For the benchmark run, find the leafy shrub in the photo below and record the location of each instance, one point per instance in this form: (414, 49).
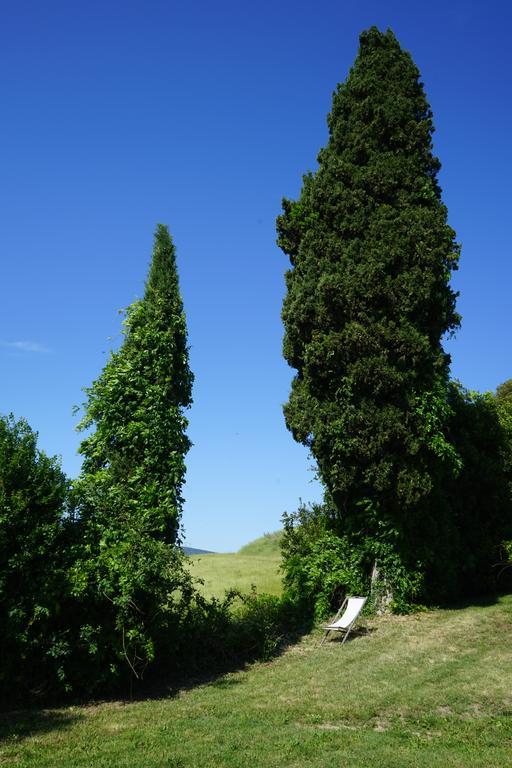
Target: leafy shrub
(320, 566)
(477, 502)
(466, 517)
(262, 622)
(128, 603)
(33, 552)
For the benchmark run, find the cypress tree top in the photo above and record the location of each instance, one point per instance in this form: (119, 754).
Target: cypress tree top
(504, 391)
(163, 277)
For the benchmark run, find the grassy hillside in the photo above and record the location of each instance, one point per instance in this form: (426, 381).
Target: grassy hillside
(267, 545)
(429, 690)
(257, 563)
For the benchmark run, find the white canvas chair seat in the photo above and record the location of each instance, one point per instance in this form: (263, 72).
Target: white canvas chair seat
(351, 608)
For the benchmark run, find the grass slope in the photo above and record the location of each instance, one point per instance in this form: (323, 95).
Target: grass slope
(432, 689)
(268, 545)
(257, 563)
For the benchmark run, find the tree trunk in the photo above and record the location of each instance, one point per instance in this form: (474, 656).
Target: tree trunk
(380, 591)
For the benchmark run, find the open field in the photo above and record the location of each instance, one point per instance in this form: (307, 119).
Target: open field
(432, 689)
(255, 564)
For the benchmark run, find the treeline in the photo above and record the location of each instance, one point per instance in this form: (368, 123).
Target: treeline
(93, 583)
(417, 470)
(458, 549)
(92, 609)
(91, 577)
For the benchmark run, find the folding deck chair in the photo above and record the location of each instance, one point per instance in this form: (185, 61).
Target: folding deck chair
(352, 607)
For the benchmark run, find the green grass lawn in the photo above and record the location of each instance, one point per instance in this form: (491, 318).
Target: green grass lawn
(255, 564)
(432, 689)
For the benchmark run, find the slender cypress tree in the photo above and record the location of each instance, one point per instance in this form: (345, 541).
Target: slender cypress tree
(368, 301)
(136, 407)
(129, 494)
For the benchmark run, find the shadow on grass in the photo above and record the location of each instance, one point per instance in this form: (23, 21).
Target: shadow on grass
(214, 641)
(267, 628)
(355, 634)
(21, 724)
(481, 601)
(160, 683)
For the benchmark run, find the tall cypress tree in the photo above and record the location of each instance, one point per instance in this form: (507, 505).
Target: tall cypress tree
(136, 407)
(129, 494)
(368, 302)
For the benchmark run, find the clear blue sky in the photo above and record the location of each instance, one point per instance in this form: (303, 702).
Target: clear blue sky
(117, 115)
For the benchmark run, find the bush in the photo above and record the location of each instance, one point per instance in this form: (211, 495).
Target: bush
(478, 502)
(322, 565)
(467, 517)
(34, 537)
(129, 600)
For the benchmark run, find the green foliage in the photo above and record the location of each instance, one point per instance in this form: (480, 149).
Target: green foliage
(467, 525)
(134, 458)
(507, 553)
(33, 542)
(129, 574)
(321, 566)
(504, 410)
(368, 302)
(474, 509)
(504, 392)
(240, 627)
(261, 624)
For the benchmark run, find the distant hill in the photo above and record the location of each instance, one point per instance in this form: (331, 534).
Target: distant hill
(268, 544)
(194, 551)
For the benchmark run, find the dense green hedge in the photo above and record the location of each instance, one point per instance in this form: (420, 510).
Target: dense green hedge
(462, 549)
(34, 552)
(63, 622)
